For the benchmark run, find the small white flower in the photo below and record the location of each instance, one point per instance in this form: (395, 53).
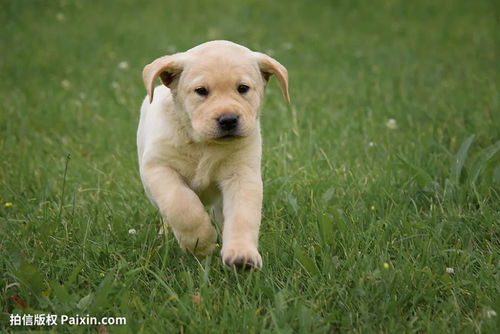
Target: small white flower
(123, 65)
(391, 124)
(371, 144)
(65, 84)
(60, 17)
(450, 270)
(490, 313)
(132, 231)
(115, 85)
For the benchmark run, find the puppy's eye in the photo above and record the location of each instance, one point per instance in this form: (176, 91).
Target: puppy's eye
(242, 89)
(202, 91)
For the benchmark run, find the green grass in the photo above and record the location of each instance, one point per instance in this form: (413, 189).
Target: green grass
(360, 221)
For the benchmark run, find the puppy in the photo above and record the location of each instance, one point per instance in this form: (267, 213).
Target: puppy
(199, 145)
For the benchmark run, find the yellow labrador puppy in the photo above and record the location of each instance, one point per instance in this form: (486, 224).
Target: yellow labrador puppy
(199, 145)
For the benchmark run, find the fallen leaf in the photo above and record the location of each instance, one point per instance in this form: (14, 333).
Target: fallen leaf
(197, 299)
(19, 301)
(101, 329)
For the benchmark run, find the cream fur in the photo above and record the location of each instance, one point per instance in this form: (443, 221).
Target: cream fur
(185, 165)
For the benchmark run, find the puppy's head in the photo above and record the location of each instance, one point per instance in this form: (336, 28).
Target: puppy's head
(219, 85)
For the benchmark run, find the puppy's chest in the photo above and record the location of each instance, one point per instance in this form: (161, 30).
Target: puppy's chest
(200, 168)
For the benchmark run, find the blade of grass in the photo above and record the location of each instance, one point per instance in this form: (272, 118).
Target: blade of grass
(460, 157)
(483, 159)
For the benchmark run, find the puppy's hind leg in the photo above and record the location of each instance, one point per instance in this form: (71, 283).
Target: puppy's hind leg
(163, 227)
(217, 214)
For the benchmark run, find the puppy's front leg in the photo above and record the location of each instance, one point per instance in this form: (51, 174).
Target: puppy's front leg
(181, 208)
(242, 204)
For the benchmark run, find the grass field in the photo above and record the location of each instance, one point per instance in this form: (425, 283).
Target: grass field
(382, 178)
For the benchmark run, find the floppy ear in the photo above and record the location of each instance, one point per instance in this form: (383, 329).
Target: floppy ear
(269, 66)
(167, 68)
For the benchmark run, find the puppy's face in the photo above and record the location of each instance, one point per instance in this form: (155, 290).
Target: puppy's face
(219, 85)
(221, 95)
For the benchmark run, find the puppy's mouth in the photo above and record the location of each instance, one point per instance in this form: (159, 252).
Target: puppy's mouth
(225, 137)
(228, 137)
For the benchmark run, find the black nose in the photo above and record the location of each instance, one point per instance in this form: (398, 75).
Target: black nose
(228, 122)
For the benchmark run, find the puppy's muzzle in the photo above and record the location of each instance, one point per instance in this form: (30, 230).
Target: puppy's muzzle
(228, 125)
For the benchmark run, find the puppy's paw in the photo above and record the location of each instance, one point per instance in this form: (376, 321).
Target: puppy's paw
(200, 241)
(241, 256)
